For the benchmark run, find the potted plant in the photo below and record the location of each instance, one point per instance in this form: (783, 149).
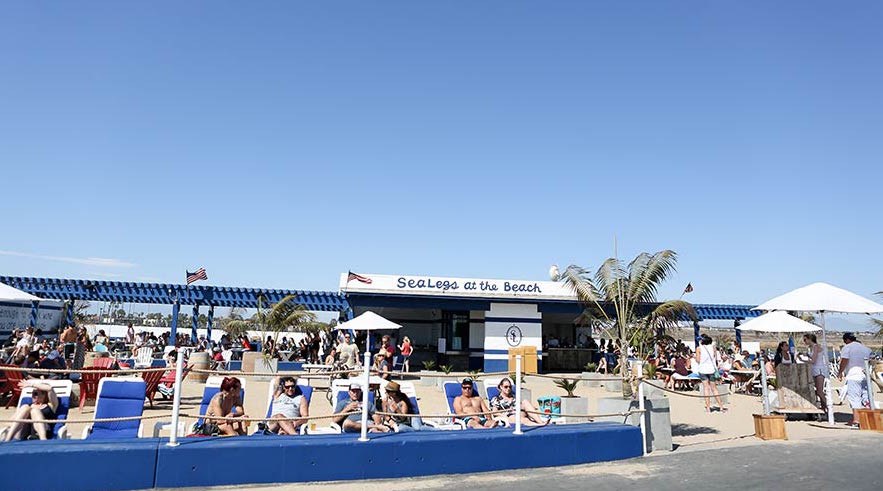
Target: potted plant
(429, 368)
(591, 376)
(571, 403)
(650, 391)
(440, 381)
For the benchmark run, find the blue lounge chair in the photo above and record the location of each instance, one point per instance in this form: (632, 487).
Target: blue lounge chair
(118, 397)
(212, 387)
(305, 389)
(62, 390)
(454, 390)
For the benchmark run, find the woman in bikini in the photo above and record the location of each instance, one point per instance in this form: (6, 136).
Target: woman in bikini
(225, 407)
(43, 406)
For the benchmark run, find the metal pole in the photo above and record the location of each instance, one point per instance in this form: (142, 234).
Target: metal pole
(176, 397)
(365, 388)
(641, 406)
(208, 325)
(35, 306)
(517, 383)
(763, 390)
(176, 307)
(830, 401)
(194, 321)
(869, 380)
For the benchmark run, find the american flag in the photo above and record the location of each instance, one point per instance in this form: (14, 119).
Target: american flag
(353, 276)
(197, 275)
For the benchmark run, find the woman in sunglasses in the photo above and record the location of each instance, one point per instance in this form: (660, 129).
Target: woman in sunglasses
(44, 403)
(288, 402)
(505, 401)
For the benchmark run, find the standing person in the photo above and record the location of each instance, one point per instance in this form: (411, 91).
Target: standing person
(130, 334)
(348, 354)
(68, 338)
(783, 354)
(708, 374)
(852, 366)
(406, 350)
(820, 371)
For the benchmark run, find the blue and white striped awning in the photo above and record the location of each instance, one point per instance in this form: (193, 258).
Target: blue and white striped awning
(725, 312)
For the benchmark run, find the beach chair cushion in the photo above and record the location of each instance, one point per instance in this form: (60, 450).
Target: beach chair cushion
(118, 398)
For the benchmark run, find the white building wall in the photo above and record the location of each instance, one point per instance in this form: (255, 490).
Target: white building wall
(498, 320)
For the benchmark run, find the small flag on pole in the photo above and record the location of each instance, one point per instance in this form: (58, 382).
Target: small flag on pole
(689, 288)
(353, 276)
(197, 275)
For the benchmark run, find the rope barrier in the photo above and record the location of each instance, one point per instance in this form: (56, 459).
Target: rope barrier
(558, 377)
(93, 420)
(589, 416)
(116, 371)
(722, 394)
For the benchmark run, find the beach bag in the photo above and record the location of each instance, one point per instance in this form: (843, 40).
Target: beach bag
(550, 405)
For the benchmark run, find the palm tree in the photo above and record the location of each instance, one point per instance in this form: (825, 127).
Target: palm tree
(286, 315)
(631, 289)
(878, 322)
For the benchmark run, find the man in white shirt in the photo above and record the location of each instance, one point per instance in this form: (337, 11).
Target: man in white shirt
(852, 365)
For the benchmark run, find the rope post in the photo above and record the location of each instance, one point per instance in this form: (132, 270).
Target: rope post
(365, 389)
(517, 383)
(829, 399)
(869, 380)
(176, 397)
(641, 406)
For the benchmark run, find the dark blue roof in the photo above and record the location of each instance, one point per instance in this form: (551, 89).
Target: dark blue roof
(724, 312)
(163, 293)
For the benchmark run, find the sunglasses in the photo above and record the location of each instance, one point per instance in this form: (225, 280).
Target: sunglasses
(37, 392)
(506, 386)
(466, 387)
(290, 387)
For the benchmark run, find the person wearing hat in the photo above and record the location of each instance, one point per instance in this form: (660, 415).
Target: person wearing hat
(468, 405)
(852, 366)
(397, 402)
(352, 423)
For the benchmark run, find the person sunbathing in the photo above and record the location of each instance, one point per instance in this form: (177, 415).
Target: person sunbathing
(288, 403)
(43, 406)
(226, 407)
(352, 423)
(505, 401)
(468, 405)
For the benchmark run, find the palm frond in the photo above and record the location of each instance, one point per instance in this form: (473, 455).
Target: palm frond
(648, 272)
(610, 278)
(879, 324)
(580, 282)
(667, 314)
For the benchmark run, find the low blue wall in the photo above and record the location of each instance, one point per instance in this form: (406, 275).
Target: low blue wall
(146, 463)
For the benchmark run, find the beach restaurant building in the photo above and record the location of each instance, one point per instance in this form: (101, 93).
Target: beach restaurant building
(473, 322)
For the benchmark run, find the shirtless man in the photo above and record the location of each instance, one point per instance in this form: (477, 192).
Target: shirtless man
(468, 404)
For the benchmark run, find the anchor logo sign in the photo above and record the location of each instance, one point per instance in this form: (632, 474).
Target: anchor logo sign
(513, 335)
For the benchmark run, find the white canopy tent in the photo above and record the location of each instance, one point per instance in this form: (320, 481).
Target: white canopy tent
(10, 294)
(822, 298)
(779, 321)
(367, 321)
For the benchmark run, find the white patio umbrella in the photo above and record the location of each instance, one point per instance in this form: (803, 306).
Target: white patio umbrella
(822, 298)
(367, 321)
(778, 321)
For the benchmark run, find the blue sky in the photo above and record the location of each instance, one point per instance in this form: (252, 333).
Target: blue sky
(278, 144)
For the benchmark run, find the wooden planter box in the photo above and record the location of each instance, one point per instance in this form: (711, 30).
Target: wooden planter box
(770, 427)
(870, 419)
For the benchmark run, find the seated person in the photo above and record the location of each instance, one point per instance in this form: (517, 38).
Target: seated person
(505, 401)
(352, 423)
(468, 404)
(381, 366)
(397, 402)
(44, 404)
(53, 361)
(288, 402)
(166, 385)
(331, 359)
(225, 407)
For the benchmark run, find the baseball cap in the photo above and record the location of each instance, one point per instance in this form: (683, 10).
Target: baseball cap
(355, 386)
(467, 380)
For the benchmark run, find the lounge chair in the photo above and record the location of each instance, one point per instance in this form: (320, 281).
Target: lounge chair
(454, 390)
(105, 362)
(408, 389)
(118, 397)
(305, 389)
(13, 377)
(63, 389)
(167, 391)
(212, 387)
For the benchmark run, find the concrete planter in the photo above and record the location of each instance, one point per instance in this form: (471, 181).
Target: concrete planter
(428, 381)
(613, 385)
(593, 379)
(574, 405)
(657, 421)
(618, 405)
(651, 392)
(270, 367)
